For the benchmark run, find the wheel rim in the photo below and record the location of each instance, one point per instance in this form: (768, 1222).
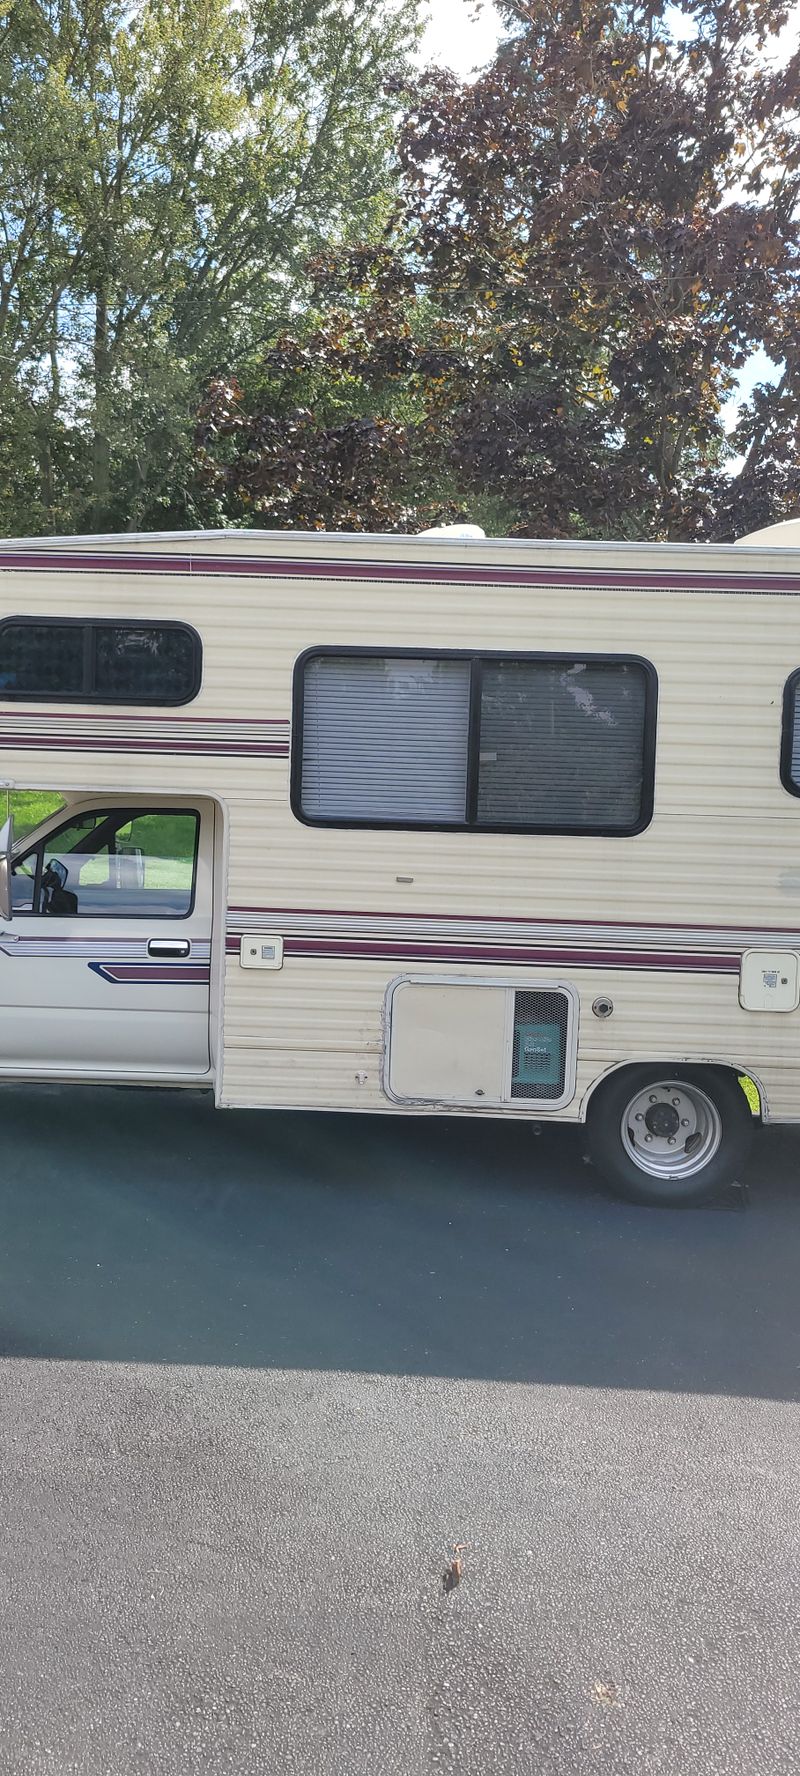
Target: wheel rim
(671, 1129)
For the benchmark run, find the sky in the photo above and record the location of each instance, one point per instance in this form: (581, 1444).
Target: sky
(455, 38)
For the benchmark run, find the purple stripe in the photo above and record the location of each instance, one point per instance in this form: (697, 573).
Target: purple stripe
(265, 914)
(422, 951)
(136, 974)
(199, 748)
(72, 942)
(422, 572)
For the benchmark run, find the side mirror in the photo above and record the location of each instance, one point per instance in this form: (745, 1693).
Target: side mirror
(55, 873)
(6, 842)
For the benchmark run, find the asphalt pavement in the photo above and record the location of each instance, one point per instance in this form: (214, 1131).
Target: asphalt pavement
(262, 1374)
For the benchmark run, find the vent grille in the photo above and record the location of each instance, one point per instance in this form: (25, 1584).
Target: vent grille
(539, 1057)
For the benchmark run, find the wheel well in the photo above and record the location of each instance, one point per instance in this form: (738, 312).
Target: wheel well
(751, 1085)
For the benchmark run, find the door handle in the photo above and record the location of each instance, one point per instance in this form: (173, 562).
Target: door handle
(168, 946)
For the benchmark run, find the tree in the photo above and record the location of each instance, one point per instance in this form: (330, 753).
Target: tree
(594, 239)
(166, 170)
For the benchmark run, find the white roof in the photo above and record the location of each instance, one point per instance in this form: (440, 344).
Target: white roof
(560, 552)
(453, 530)
(774, 536)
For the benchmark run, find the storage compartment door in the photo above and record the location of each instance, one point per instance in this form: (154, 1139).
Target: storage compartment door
(448, 1043)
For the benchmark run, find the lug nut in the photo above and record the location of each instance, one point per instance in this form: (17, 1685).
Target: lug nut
(684, 1122)
(653, 1097)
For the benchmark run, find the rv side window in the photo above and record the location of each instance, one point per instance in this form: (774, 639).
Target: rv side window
(95, 662)
(790, 747)
(540, 743)
(112, 863)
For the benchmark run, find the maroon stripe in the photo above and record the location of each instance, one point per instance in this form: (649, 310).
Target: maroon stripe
(121, 973)
(422, 572)
(198, 748)
(56, 938)
(264, 914)
(379, 950)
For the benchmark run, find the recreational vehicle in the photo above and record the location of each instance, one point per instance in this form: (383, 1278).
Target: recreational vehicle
(412, 825)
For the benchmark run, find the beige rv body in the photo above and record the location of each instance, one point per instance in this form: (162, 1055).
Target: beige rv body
(652, 926)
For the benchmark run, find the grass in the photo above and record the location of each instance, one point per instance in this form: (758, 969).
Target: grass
(170, 837)
(28, 807)
(167, 843)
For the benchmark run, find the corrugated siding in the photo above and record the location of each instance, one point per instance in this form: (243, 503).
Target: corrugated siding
(723, 848)
(322, 1026)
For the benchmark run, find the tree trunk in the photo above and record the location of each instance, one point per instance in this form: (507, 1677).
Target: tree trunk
(49, 422)
(101, 456)
(47, 479)
(136, 490)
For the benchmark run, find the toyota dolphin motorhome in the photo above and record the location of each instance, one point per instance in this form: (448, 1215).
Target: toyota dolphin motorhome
(411, 825)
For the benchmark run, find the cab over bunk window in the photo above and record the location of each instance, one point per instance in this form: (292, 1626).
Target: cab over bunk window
(543, 743)
(87, 661)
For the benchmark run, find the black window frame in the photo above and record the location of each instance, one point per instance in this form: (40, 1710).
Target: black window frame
(476, 656)
(118, 813)
(91, 625)
(789, 709)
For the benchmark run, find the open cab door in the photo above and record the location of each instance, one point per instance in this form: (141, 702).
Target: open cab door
(6, 843)
(105, 961)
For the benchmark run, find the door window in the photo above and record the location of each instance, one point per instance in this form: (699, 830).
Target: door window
(23, 879)
(113, 863)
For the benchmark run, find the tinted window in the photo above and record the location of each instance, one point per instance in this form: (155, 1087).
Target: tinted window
(130, 663)
(96, 662)
(562, 743)
(41, 659)
(540, 744)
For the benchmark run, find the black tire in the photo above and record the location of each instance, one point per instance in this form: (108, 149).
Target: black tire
(728, 1122)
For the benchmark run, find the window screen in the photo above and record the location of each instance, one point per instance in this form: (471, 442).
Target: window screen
(562, 743)
(97, 662)
(539, 744)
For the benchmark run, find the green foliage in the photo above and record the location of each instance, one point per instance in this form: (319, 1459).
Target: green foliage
(166, 170)
(593, 240)
(232, 291)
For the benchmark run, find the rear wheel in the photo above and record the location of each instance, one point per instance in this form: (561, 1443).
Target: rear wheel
(669, 1138)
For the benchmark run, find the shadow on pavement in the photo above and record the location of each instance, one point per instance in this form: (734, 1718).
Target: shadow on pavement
(148, 1227)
